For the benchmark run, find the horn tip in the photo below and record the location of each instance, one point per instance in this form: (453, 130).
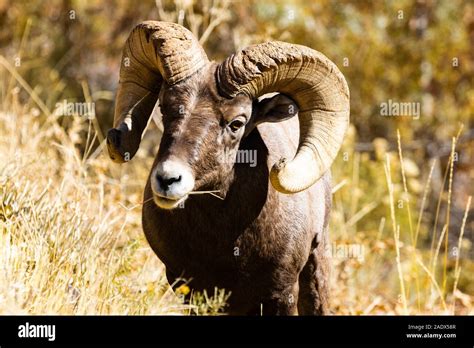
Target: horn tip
(284, 180)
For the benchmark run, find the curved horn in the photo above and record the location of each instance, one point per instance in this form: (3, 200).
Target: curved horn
(318, 88)
(154, 51)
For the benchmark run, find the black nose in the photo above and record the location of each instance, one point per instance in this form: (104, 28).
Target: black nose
(165, 182)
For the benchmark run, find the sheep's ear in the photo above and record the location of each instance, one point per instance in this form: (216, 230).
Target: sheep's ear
(275, 109)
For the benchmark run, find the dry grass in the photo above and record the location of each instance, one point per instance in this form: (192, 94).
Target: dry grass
(398, 274)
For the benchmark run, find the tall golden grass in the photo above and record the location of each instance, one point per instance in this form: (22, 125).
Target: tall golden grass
(398, 275)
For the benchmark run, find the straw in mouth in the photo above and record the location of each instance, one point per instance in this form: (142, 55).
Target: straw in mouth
(212, 193)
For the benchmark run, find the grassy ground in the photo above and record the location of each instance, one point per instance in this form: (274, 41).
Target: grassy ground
(71, 239)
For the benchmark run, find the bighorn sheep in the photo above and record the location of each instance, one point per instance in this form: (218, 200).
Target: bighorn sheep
(262, 242)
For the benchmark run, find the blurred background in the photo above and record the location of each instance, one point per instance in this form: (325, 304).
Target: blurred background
(402, 182)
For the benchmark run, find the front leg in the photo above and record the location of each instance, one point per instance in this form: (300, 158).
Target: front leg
(314, 285)
(279, 302)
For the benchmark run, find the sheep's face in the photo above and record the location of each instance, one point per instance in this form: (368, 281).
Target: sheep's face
(201, 137)
(201, 131)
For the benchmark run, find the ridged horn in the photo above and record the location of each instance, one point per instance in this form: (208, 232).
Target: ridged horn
(318, 88)
(154, 51)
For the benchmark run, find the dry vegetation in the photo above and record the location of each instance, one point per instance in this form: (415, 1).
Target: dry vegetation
(399, 273)
(70, 220)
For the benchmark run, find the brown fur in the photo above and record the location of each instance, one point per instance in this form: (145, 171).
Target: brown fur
(266, 247)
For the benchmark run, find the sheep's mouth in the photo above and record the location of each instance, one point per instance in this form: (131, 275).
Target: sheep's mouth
(169, 203)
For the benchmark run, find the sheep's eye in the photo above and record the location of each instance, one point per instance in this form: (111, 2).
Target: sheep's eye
(236, 125)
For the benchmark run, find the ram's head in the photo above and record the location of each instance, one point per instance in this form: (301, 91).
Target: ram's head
(208, 108)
